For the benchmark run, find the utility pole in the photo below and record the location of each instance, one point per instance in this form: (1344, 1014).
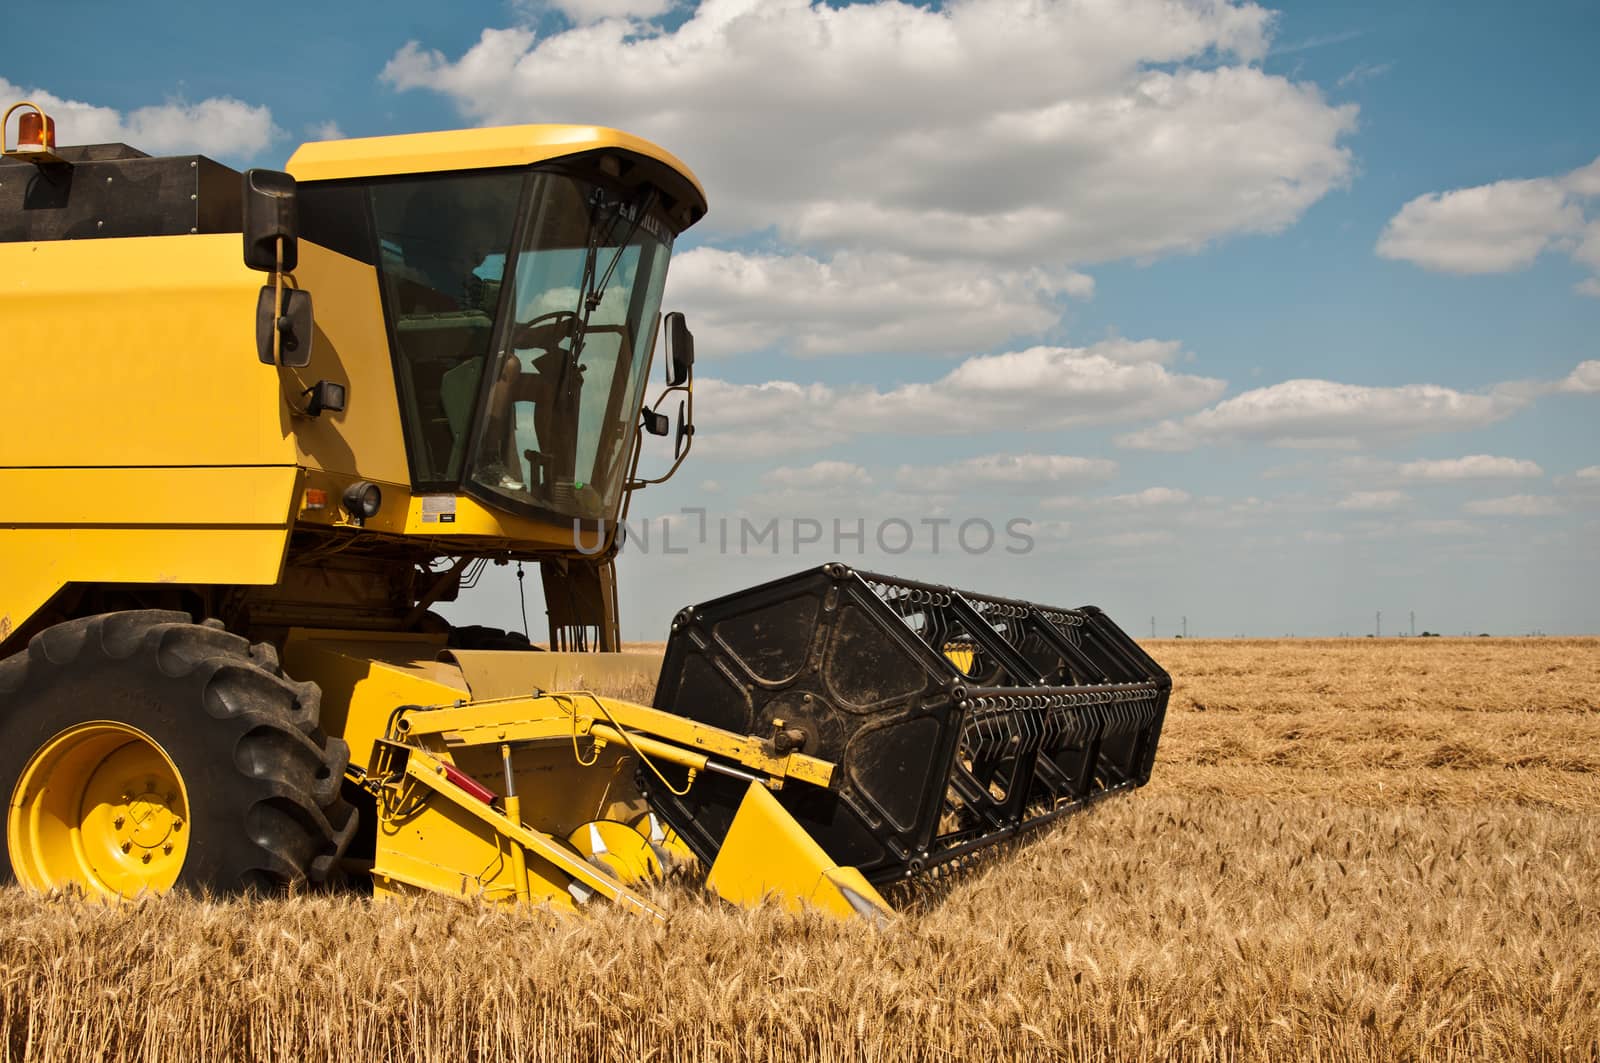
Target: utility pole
(1413, 623)
(1185, 627)
(1152, 627)
(1379, 622)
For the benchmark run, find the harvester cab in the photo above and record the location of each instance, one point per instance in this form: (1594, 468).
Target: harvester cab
(231, 507)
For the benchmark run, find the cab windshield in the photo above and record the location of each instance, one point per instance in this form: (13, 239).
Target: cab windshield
(520, 361)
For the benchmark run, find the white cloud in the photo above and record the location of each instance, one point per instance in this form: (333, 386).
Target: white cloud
(1584, 484)
(1322, 413)
(1134, 352)
(1150, 496)
(218, 125)
(1585, 180)
(583, 12)
(1499, 227)
(1588, 286)
(1585, 379)
(1588, 249)
(865, 302)
(1136, 539)
(328, 130)
(1471, 467)
(1373, 501)
(1039, 389)
(823, 474)
(1515, 506)
(1017, 472)
(1020, 129)
(1363, 71)
(1443, 527)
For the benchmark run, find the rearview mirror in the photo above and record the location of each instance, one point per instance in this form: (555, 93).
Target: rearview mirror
(292, 322)
(680, 350)
(685, 433)
(270, 215)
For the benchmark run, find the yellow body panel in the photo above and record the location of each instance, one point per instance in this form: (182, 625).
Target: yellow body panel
(351, 347)
(767, 854)
(494, 674)
(466, 149)
(135, 352)
(364, 676)
(167, 525)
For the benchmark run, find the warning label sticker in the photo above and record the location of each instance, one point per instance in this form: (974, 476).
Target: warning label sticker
(438, 509)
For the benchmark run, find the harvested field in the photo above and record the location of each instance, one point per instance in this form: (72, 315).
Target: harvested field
(1350, 850)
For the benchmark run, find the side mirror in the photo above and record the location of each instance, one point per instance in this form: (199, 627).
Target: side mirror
(270, 215)
(685, 433)
(292, 322)
(680, 350)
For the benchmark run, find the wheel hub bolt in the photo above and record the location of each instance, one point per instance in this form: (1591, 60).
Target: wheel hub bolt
(118, 822)
(127, 847)
(167, 849)
(145, 857)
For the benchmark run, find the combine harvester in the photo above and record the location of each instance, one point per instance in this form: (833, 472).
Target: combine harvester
(226, 520)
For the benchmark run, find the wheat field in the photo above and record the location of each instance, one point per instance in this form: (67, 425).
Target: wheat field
(1350, 850)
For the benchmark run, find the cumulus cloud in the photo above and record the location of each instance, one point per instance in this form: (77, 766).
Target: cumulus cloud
(1585, 379)
(1471, 467)
(1373, 501)
(1322, 413)
(823, 474)
(1150, 496)
(1499, 227)
(1039, 389)
(1515, 506)
(1018, 129)
(218, 125)
(1014, 472)
(583, 12)
(1592, 472)
(865, 302)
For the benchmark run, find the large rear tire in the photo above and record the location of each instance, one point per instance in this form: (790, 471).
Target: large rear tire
(140, 751)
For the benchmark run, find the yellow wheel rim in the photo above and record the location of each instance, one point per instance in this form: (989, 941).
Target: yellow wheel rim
(103, 806)
(616, 849)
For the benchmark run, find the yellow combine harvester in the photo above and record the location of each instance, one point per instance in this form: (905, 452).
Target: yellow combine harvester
(225, 517)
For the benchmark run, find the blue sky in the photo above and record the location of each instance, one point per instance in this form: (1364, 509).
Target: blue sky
(1267, 317)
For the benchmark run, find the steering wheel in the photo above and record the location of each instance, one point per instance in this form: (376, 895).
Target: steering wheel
(528, 334)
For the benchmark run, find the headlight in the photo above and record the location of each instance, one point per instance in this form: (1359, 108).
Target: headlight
(362, 499)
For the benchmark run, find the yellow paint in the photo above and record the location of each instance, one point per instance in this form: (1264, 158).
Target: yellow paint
(101, 806)
(435, 836)
(497, 674)
(960, 655)
(617, 849)
(467, 149)
(766, 854)
(364, 676)
(350, 347)
(258, 496)
(141, 352)
(166, 525)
